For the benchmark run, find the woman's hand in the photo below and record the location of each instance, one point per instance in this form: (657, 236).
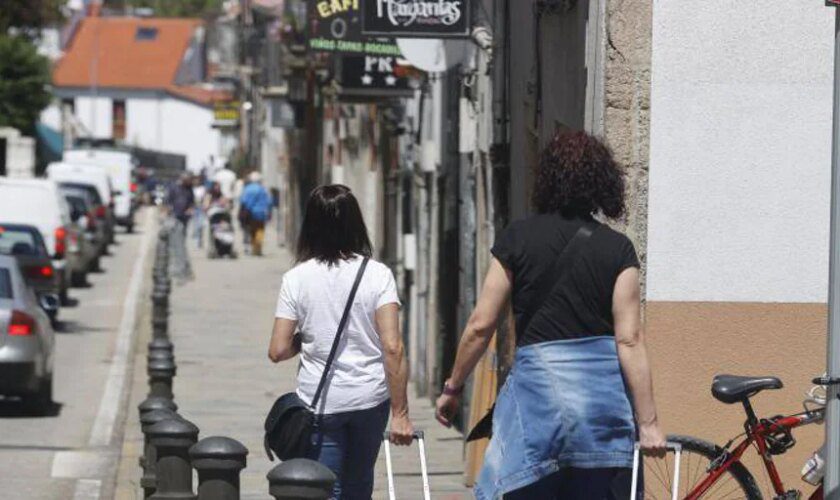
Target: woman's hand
(446, 408)
(652, 440)
(402, 431)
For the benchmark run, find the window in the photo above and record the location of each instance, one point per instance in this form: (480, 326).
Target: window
(5, 284)
(118, 119)
(145, 33)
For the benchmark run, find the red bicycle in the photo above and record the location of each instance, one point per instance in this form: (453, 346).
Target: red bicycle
(708, 471)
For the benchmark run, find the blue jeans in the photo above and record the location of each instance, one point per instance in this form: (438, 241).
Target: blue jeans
(348, 443)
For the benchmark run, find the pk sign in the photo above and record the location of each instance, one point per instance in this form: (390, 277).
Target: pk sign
(416, 18)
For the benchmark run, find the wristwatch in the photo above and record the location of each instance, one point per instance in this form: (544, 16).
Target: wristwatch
(452, 391)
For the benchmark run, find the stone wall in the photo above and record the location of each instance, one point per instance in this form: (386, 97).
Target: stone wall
(627, 106)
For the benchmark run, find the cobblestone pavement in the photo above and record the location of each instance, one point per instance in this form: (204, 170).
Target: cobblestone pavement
(220, 325)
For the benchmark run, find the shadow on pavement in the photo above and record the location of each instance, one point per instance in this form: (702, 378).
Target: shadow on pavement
(18, 408)
(76, 327)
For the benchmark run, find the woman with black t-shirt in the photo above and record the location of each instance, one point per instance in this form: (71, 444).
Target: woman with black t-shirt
(579, 393)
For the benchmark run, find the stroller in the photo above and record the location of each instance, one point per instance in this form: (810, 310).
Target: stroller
(221, 233)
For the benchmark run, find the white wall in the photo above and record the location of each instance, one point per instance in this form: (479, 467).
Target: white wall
(95, 114)
(174, 126)
(740, 151)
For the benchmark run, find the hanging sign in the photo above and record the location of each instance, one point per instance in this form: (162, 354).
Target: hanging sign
(374, 75)
(416, 18)
(335, 26)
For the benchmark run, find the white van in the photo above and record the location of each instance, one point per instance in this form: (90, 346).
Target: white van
(38, 202)
(120, 166)
(76, 175)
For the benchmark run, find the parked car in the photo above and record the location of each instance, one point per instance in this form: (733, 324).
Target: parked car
(119, 165)
(26, 245)
(26, 340)
(38, 203)
(81, 213)
(93, 179)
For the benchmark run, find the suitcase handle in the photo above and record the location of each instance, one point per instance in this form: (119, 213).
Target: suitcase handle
(415, 435)
(420, 438)
(669, 446)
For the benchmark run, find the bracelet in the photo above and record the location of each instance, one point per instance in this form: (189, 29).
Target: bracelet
(452, 391)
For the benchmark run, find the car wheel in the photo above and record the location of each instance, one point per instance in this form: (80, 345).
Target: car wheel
(129, 228)
(63, 296)
(95, 265)
(42, 401)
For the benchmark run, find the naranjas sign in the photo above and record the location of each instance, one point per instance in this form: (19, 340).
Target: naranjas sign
(416, 18)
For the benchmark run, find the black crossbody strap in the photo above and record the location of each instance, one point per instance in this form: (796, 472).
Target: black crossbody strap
(341, 325)
(552, 280)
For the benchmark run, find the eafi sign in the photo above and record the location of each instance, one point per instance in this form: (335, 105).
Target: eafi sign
(416, 18)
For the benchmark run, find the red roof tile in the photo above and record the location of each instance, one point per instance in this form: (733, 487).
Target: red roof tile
(106, 52)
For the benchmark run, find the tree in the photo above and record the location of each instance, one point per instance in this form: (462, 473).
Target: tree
(27, 17)
(24, 77)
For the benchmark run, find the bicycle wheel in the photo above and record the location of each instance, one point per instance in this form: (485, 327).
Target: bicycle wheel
(697, 454)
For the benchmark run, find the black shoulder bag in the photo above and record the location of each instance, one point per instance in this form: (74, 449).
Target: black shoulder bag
(290, 422)
(548, 285)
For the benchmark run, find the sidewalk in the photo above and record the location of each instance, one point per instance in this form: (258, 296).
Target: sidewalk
(220, 325)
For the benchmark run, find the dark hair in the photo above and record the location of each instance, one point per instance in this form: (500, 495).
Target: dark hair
(333, 227)
(577, 175)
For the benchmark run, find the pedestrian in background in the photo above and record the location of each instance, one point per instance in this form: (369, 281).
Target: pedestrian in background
(181, 200)
(199, 210)
(370, 372)
(564, 426)
(242, 216)
(226, 179)
(256, 201)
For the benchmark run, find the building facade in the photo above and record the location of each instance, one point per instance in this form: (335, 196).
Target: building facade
(140, 82)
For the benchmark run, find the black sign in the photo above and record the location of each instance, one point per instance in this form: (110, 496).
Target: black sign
(335, 26)
(374, 74)
(416, 18)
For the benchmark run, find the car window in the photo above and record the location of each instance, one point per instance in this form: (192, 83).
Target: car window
(90, 190)
(21, 241)
(5, 284)
(77, 204)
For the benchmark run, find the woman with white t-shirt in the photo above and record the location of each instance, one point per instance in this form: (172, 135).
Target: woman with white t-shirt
(370, 373)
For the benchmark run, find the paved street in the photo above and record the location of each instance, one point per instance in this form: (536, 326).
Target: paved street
(43, 457)
(220, 326)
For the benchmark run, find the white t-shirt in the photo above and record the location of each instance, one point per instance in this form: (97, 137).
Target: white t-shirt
(226, 179)
(314, 294)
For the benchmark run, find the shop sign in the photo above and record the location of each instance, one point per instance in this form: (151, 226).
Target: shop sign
(416, 18)
(335, 26)
(226, 112)
(373, 73)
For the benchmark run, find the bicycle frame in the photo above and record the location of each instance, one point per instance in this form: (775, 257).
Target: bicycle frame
(756, 433)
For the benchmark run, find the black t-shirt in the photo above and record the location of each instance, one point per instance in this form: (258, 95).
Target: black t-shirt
(581, 306)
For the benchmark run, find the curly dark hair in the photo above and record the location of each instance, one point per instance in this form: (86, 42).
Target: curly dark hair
(577, 175)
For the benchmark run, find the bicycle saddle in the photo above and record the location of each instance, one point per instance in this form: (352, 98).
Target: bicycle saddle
(733, 389)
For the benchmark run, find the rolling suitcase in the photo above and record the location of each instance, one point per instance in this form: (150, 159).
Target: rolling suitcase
(634, 485)
(418, 435)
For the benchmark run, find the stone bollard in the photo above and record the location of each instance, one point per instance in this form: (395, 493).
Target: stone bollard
(156, 403)
(160, 327)
(172, 439)
(300, 478)
(158, 355)
(218, 461)
(161, 372)
(160, 299)
(149, 458)
(160, 345)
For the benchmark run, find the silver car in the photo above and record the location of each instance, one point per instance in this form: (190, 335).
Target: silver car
(26, 340)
